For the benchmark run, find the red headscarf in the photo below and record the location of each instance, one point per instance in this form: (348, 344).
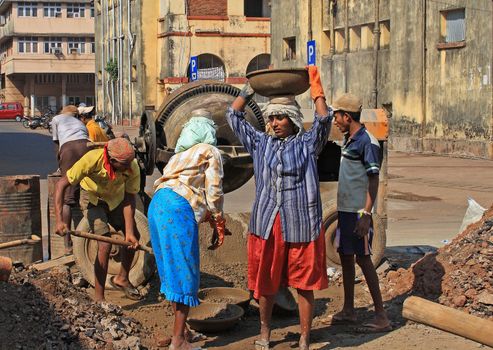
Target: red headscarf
(119, 149)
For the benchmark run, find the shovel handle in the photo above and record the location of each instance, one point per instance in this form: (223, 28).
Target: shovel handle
(108, 240)
(19, 242)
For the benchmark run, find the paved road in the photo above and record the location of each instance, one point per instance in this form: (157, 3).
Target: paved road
(427, 194)
(25, 151)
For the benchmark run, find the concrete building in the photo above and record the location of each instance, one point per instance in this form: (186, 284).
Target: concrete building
(427, 61)
(152, 54)
(47, 53)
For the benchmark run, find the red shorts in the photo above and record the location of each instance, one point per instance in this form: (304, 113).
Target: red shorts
(273, 263)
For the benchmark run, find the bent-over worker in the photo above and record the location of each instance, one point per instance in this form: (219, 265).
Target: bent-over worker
(70, 136)
(109, 178)
(189, 192)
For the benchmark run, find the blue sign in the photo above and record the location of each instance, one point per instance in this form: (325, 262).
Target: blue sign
(311, 52)
(194, 65)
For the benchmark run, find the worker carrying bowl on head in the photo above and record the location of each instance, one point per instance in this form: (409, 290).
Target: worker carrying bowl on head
(189, 192)
(109, 178)
(70, 137)
(96, 133)
(286, 246)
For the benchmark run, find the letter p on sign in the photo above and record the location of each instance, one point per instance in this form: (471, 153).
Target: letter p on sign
(311, 52)
(194, 63)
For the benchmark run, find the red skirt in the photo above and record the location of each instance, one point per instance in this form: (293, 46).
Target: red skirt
(273, 263)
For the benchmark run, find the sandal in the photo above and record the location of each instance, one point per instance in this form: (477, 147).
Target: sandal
(130, 291)
(261, 345)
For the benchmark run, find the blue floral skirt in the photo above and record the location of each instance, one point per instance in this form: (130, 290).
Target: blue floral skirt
(175, 241)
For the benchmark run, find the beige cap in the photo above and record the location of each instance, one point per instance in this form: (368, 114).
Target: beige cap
(347, 103)
(85, 110)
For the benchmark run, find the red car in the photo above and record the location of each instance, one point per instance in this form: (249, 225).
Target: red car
(11, 110)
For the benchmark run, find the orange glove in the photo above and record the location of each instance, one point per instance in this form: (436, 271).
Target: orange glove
(316, 88)
(220, 230)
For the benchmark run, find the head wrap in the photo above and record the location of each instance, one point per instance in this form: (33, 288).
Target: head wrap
(199, 129)
(119, 149)
(287, 106)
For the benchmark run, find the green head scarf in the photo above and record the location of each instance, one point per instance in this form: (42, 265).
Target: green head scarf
(199, 129)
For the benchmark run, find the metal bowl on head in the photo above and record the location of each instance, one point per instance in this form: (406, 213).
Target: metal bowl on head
(214, 317)
(227, 295)
(279, 82)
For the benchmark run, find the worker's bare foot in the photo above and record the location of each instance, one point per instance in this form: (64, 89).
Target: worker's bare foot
(304, 343)
(379, 324)
(341, 317)
(121, 282)
(180, 345)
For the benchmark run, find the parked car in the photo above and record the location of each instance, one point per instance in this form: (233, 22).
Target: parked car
(11, 110)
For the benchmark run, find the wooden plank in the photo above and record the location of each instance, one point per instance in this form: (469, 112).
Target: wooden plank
(448, 319)
(63, 260)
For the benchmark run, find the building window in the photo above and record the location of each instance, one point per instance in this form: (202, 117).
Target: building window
(259, 62)
(53, 45)
(28, 44)
(76, 45)
(73, 100)
(27, 9)
(90, 100)
(92, 9)
(45, 79)
(93, 45)
(210, 67)
(453, 26)
(2, 81)
(257, 8)
(52, 9)
(76, 10)
(289, 49)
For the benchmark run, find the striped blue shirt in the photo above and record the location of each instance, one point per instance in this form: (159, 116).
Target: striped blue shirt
(286, 178)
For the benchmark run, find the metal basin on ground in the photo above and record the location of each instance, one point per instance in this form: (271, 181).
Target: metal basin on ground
(227, 295)
(214, 317)
(284, 301)
(278, 82)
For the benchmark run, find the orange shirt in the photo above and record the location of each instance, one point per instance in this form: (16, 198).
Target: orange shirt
(96, 134)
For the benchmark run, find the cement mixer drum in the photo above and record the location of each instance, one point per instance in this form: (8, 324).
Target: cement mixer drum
(215, 97)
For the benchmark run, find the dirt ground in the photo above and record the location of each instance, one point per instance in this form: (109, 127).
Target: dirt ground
(38, 311)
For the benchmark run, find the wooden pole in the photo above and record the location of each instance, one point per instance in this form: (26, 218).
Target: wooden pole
(448, 319)
(108, 240)
(33, 240)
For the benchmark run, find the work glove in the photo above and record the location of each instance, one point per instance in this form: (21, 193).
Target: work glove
(247, 92)
(218, 224)
(316, 89)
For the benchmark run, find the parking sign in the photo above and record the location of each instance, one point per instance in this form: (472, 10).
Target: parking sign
(194, 63)
(311, 50)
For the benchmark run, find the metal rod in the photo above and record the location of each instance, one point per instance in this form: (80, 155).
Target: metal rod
(108, 240)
